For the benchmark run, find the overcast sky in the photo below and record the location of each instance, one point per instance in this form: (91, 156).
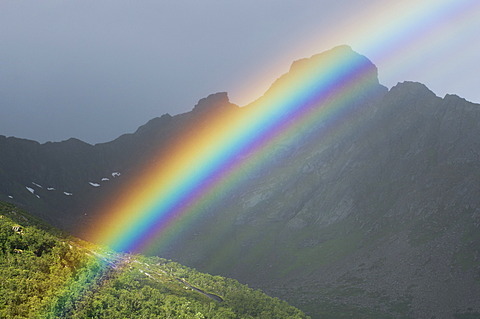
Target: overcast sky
(96, 69)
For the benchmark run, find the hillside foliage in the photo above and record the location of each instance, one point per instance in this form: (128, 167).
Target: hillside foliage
(46, 274)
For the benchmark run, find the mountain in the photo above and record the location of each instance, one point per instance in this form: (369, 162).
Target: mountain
(374, 214)
(62, 182)
(48, 274)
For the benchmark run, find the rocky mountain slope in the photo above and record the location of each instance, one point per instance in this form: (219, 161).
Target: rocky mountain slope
(62, 182)
(377, 218)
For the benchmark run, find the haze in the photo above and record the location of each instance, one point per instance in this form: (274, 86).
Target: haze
(97, 69)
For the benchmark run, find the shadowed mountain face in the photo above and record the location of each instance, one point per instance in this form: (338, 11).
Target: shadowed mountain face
(63, 182)
(378, 218)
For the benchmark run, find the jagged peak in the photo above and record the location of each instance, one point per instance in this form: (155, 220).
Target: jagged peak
(154, 123)
(69, 143)
(336, 60)
(413, 87)
(74, 140)
(14, 139)
(343, 53)
(454, 97)
(213, 101)
(341, 50)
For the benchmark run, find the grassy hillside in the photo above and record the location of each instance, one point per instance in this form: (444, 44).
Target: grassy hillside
(46, 274)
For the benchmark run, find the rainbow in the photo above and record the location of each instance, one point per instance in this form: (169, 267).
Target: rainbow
(206, 163)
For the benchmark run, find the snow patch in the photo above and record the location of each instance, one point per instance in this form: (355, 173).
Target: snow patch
(10, 196)
(40, 186)
(50, 189)
(94, 184)
(31, 190)
(68, 194)
(116, 174)
(37, 196)
(105, 179)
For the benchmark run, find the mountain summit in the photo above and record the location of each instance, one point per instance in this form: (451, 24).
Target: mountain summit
(372, 212)
(337, 62)
(213, 102)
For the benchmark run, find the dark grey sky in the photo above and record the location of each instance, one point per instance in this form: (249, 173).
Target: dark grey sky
(97, 69)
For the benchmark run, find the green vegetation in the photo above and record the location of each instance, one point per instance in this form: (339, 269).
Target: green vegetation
(46, 274)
